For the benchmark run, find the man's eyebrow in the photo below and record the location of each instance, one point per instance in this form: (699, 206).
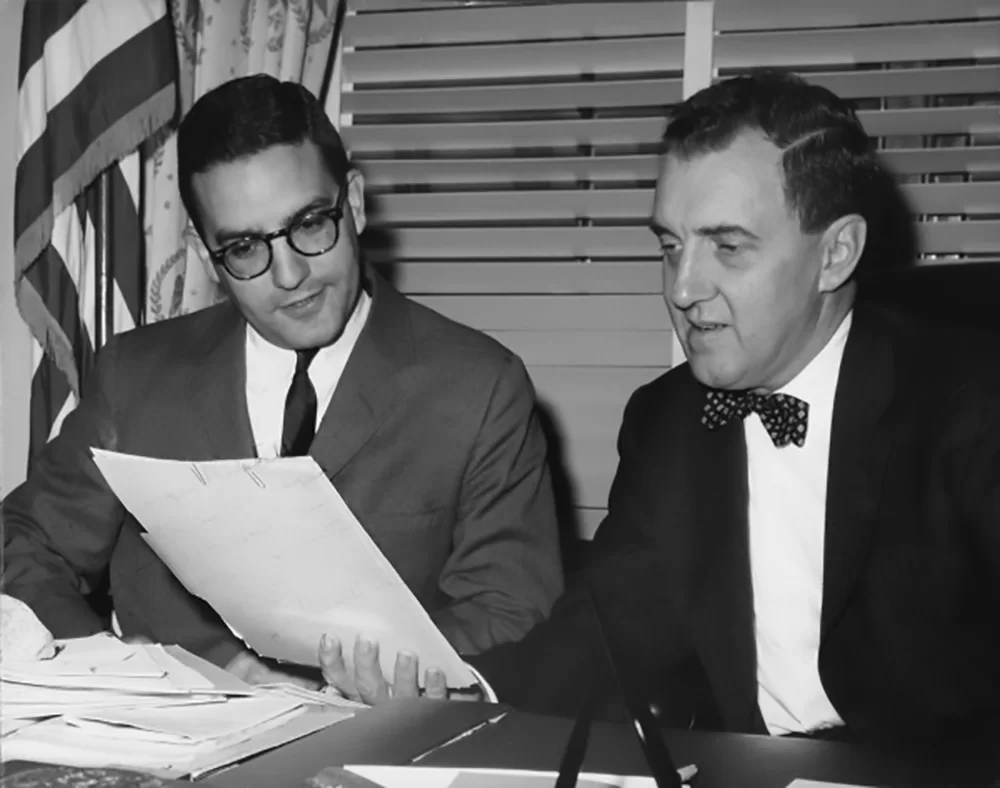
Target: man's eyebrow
(660, 229)
(715, 230)
(225, 235)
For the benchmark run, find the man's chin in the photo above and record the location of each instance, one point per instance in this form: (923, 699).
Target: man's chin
(712, 376)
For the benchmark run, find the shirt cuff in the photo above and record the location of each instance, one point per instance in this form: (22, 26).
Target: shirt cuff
(489, 695)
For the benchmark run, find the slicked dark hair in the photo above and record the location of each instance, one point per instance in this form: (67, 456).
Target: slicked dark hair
(828, 163)
(248, 115)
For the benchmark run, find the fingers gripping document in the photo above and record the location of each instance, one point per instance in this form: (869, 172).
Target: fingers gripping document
(276, 551)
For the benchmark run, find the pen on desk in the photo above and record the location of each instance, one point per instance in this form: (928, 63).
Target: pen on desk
(686, 773)
(464, 734)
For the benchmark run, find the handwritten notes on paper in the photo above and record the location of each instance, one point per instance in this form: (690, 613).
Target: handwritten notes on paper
(276, 551)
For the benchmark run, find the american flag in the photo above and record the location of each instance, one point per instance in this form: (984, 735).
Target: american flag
(96, 79)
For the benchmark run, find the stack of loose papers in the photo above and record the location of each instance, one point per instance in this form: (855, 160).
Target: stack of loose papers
(102, 702)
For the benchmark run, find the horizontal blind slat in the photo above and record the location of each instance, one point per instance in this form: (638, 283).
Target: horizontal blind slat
(386, 138)
(507, 98)
(408, 243)
(571, 169)
(970, 198)
(630, 131)
(776, 14)
(536, 276)
(948, 237)
(515, 61)
(931, 120)
(655, 92)
(590, 348)
(526, 243)
(566, 205)
(513, 23)
(914, 161)
(547, 313)
(946, 41)
(945, 80)
(569, 205)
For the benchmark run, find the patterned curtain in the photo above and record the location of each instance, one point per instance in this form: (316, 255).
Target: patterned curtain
(218, 40)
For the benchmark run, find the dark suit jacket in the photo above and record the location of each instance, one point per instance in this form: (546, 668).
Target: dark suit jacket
(431, 438)
(910, 626)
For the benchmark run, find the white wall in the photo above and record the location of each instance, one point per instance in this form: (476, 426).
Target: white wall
(15, 348)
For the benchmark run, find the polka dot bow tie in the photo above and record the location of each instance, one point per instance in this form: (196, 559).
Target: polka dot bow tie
(784, 417)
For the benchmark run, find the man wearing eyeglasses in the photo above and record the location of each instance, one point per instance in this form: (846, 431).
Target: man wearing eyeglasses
(426, 428)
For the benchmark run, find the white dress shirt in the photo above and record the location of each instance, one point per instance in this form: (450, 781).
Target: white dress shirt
(270, 370)
(787, 519)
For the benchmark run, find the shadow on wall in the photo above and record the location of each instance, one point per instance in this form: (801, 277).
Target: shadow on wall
(892, 235)
(957, 292)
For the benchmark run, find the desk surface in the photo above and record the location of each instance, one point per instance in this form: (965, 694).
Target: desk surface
(723, 759)
(400, 731)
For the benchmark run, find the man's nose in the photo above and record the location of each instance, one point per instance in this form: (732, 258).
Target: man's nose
(288, 269)
(687, 283)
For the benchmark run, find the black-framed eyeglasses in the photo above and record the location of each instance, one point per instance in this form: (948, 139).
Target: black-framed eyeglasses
(313, 233)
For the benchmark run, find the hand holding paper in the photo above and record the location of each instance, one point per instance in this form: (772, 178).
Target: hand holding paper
(23, 638)
(366, 681)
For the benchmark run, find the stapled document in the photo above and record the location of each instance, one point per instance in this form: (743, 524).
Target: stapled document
(274, 549)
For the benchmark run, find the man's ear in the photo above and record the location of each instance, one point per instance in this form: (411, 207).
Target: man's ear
(356, 199)
(842, 244)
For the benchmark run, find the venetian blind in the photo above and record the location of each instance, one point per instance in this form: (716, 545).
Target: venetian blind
(510, 154)
(925, 77)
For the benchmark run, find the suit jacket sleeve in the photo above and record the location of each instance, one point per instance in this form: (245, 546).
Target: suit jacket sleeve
(976, 475)
(550, 670)
(60, 526)
(504, 572)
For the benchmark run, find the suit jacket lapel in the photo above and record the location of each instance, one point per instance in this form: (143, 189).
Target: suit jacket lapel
(722, 613)
(218, 387)
(369, 388)
(859, 451)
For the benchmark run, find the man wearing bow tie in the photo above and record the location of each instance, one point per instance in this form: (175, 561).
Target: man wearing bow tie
(803, 535)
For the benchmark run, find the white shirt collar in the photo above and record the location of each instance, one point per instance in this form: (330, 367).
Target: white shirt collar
(274, 357)
(817, 382)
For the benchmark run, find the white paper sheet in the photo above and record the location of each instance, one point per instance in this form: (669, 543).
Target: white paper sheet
(800, 783)
(439, 777)
(212, 721)
(272, 546)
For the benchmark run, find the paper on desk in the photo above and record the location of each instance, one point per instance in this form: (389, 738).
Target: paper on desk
(212, 721)
(817, 784)
(272, 546)
(439, 777)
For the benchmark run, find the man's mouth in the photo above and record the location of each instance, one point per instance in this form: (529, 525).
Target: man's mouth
(303, 303)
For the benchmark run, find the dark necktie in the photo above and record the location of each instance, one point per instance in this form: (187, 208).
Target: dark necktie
(300, 409)
(784, 417)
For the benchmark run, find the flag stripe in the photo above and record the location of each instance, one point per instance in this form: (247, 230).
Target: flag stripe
(98, 29)
(96, 79)
(41, 23)
(50, 275)
(54, 169)
(125, 244)
(49, 392)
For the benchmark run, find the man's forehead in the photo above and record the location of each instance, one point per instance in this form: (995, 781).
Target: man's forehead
(738, 182)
